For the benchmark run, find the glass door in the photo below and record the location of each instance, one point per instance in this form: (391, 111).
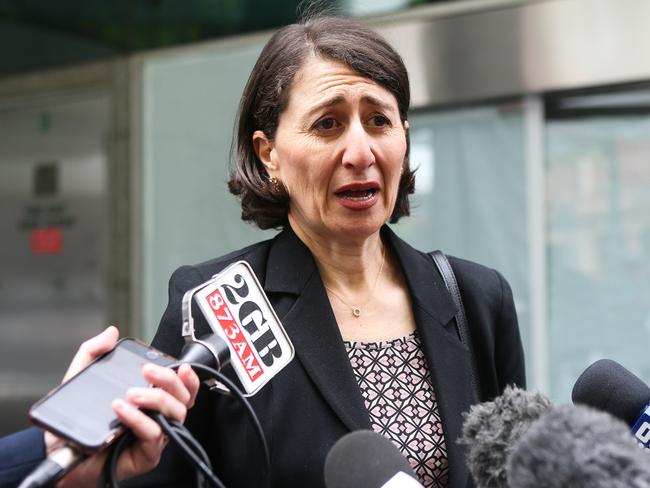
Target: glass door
(598, 233)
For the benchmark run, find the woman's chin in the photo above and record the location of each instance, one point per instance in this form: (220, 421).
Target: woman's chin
(350, 227)
(360, 228)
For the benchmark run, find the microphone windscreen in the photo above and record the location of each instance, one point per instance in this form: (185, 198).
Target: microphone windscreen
(364, 459)
(608, 386)
(579, 447)
(491, 428)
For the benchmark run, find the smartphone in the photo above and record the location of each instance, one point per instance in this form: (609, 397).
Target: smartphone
(79, 410)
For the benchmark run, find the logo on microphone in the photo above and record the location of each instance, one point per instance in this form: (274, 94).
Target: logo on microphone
(641, 429)
(236, 308)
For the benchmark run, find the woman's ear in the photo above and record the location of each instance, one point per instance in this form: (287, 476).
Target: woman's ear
(265, 151)
(407, 126)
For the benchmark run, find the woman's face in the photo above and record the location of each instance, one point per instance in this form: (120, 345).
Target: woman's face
(339, 150)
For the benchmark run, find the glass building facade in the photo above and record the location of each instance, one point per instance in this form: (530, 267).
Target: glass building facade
(533, 157)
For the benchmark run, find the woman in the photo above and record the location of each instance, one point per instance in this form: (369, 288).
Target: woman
(322, 152)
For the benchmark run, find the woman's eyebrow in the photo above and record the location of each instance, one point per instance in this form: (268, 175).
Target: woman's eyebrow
(340, 99)
(377, 102)
(328, 103)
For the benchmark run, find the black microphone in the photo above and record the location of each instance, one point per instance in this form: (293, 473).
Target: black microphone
(491, 428)
(365, 459)
(577, 447)
(209, 350)
(608, 386)
(53, 468)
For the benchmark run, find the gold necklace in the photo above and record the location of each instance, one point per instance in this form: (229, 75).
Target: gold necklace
(356, 311)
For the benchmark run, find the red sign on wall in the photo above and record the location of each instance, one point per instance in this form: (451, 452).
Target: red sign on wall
(47, 240)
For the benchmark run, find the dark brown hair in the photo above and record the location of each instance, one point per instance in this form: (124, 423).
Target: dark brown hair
(267, 93)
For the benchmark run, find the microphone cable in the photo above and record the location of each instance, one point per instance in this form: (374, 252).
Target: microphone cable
(184, 440)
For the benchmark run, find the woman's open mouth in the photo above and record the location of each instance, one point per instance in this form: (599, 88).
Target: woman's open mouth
(358, 196)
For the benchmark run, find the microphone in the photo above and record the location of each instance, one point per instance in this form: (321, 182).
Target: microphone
(365, 459)
(608, 386)
(53, 468)
(491, 428)
(238, 313)
(580, 447)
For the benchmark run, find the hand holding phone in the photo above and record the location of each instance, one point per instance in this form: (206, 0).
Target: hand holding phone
(174, 395)
(80, 410)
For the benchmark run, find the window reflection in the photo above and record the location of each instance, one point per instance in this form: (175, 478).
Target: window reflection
(598, 200)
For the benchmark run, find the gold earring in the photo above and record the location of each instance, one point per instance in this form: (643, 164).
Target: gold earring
(275, 183)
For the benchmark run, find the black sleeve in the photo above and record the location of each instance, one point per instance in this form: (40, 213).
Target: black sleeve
(168, 337)
(494, 329)
(509, 352)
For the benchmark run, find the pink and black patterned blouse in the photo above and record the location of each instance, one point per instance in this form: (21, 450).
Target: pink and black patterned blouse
(396, 385)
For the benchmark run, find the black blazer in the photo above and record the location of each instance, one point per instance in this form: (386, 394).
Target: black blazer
(315, 400)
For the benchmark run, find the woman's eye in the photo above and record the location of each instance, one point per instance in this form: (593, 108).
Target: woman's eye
(379, 121)
(327, 123)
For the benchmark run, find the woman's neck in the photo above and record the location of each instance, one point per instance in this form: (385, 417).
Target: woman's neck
(365, 286)
(350, 266)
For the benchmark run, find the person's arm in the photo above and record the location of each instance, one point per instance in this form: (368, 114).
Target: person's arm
(19, 454)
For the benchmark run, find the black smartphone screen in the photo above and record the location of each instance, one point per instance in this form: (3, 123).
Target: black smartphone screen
(80, 409)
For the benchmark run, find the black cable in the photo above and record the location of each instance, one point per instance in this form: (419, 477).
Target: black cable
(187, 436)
(244, 401)
(240, 396)
(194, 452)
(198, 448)
(108, 476)
(202, 464)
(177, 434)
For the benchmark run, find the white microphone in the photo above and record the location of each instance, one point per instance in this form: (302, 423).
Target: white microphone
(365, 459)
(401, 480)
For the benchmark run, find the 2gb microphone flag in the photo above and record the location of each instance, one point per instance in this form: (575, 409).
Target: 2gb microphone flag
(237, 309)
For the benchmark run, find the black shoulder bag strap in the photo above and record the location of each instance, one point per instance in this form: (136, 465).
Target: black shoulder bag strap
(444, 268)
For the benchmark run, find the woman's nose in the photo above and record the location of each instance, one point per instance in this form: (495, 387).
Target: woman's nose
(358, 151)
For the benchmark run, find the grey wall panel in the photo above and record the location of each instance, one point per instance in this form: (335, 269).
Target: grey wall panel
(522, 48)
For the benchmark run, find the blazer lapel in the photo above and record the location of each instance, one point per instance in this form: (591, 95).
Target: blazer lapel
(448, 359)
(309, 320)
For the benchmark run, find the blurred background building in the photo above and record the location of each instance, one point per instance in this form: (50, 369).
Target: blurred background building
(530, 128)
